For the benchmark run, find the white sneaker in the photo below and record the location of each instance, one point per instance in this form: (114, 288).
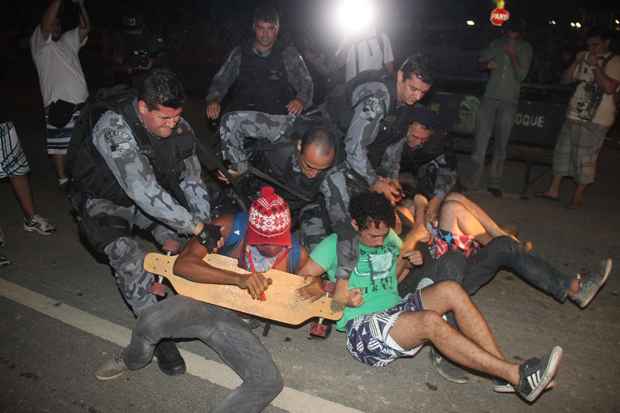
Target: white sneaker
(39, 224)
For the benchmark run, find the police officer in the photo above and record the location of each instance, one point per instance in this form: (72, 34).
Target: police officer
(140, 169)
(271, 86)
(372, 108)
(423, 157)
(315, 189)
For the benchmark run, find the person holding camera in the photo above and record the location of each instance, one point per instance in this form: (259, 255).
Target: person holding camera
(61, 78)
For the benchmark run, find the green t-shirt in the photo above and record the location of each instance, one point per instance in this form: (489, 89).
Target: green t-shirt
(374, 274)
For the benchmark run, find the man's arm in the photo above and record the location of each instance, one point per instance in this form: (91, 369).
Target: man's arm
(608, 76)
(225, 77)
(84, 20)
(520, 59)
(190, 265)
(113, 139)
(49, 18)
(298, 76)
(569, 74)
(195, 190)
(371, 102)
(391, 159)
(419, 231)
(489, 53)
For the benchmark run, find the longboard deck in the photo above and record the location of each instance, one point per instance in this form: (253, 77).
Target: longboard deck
(282, 303)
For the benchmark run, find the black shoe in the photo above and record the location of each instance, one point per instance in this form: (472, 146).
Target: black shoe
(536, 374)
(497, 193)
(169, 359)
(447, 369)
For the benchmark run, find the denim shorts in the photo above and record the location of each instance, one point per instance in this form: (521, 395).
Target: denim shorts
(368, 336)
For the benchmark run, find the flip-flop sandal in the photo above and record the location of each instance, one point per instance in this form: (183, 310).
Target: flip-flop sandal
(547, 197)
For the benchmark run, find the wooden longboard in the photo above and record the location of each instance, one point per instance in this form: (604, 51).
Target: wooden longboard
(282, 303)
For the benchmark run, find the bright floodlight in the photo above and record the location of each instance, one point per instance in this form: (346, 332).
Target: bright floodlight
(470, 23)
(617, 21)
(572, 24)
(552, 22)
(355, 17)
(578, 25)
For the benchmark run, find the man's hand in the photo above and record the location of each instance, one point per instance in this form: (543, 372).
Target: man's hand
(256, 283)
(311, 291)
(295, 107)
(213, 110)
(233, 174)
(414, 257)
(593, 59)
(356, 298)
(509, 49)
(386, 187)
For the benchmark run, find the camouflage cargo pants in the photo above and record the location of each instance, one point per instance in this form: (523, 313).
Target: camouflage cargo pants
(126, 253)
(235, 127)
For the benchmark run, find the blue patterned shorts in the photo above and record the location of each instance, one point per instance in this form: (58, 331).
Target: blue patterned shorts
(368, 336)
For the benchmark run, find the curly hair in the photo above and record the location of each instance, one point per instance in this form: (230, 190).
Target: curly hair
(371, 207)
(162, 87)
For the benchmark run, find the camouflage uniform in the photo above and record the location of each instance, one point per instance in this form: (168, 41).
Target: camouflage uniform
(154, 208)
(237, 125)
(372, 102)
(326, 195)
(335, 203)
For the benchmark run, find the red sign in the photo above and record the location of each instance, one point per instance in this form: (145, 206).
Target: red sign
(499, 16)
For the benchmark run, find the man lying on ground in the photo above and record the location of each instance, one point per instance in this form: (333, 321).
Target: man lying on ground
(381, 327)
(468, 247)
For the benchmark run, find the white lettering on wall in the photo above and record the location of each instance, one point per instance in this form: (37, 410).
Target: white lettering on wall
(530, 121)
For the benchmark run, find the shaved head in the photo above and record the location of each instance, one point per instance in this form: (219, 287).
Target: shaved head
(317, 151)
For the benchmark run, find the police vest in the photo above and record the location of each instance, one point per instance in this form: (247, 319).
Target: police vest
(262, 84)
(92, 178)
(277, 160)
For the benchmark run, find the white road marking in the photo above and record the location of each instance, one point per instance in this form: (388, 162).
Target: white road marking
(292, 400)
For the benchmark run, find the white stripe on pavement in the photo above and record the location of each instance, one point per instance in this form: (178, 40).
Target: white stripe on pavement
(290, 399)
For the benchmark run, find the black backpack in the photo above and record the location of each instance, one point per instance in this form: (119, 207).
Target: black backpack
(104, 100)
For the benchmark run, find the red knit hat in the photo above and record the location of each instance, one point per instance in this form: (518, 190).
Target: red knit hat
(269, 220)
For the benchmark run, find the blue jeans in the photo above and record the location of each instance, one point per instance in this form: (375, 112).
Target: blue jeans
(496, 118)
(477, 270)
(224, 332)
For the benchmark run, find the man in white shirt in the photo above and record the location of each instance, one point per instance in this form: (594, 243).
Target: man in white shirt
(61, 78)
(372, 51)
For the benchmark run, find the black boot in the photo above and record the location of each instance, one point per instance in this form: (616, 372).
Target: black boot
(169, 359)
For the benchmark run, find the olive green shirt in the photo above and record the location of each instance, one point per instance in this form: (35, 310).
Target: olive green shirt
(505, 80)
